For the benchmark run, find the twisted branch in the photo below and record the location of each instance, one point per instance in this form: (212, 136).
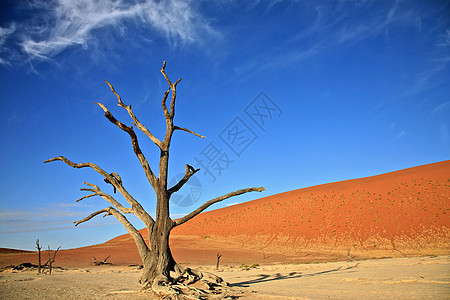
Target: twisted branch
(170, 114)
(80, 165)
(85, 197)
(173, 87)
(97, 192)
(105, 210)
(136, 206)
(133, 117)
(164, 106)
(137, 150)
(188, 174)
(139, 240)
(215, 200)
(187, 130)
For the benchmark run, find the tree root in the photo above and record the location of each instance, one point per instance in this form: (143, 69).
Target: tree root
(190, 284)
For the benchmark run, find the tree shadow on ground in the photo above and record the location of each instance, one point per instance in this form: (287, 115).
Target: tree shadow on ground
(279, 276)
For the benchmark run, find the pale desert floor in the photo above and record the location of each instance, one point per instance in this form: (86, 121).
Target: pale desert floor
(394, 278)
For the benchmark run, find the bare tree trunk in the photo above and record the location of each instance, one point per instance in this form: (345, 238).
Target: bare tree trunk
(218, 259)
(39, 247)
(159, 261)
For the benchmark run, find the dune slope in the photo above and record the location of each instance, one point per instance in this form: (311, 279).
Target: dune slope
(405, 211)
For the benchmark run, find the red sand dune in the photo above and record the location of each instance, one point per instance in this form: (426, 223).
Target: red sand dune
(394, 214)
(13, 251)
(406, 210)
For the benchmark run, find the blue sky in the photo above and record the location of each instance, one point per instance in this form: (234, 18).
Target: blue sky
(289, 94)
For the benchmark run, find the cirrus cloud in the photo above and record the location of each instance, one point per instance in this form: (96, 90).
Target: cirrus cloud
(60, 24)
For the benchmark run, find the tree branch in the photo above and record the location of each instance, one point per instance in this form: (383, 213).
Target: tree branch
(105, 210)
(137, 150)
(187, 175)
(133, 117)
(164, 106)
(85, 197)
(173, 87)
(78, 166)
(141, 213)
(174, 96)
(187, 130)
(97, 192)
(215, 200)
(117, 177)
(140, 243)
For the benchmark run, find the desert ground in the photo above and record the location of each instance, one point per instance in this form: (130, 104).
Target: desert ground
(393, 278)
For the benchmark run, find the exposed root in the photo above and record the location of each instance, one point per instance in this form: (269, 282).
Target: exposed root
(193, 285)
(161, 286)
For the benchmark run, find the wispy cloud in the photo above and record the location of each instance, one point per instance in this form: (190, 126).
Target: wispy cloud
(435, 66)
(401, 134)
(61, 24)
(440, 108)
(443, 133)
(58, 216)
(330, 26)
(436, 54)
(5, 33)
(427, 79)
(46, 227)
(398, 133)
(72, 205)
(264, 63)
(37, 213)
(177, 216)
(334, 24)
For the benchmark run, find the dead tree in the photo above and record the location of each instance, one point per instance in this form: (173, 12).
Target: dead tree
(51, 259)
(100, 263)
(156, 256)
(39, 247)
(218, 259)
(348, 255)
